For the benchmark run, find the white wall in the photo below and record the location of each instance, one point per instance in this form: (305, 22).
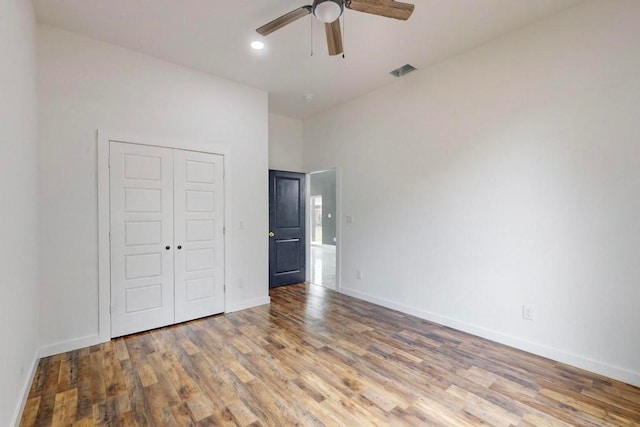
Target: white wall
(85, 85)
(18, 205)
(285, 143)
(509, 175)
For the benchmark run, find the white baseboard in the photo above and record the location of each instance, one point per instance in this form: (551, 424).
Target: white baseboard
(76, 343)
(24, 391)
(69, 345)
(243, 305)
(601, 368)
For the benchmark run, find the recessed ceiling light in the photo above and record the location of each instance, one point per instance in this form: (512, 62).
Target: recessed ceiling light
(257, 45)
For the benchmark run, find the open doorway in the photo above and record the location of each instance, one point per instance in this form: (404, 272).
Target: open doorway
(323, 238)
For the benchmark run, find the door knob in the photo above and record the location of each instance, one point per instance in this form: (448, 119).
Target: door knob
(167, 247)
(271, 234)
(179, 246)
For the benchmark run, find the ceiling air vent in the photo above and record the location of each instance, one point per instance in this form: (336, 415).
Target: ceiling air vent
(405, 69)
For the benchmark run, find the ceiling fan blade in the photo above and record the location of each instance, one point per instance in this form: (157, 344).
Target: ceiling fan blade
(285, 19)
(387, 8)
(334, 37)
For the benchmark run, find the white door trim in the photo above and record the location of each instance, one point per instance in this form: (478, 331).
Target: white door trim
(104, 257)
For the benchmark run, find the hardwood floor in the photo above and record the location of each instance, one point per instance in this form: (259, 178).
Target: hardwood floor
(316, 357)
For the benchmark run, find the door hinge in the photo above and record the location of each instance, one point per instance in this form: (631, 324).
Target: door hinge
(224, 230)
(109, 236)
(109, 162)
(109, 308)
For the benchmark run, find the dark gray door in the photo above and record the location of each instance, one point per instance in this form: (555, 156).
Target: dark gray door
(286, 228)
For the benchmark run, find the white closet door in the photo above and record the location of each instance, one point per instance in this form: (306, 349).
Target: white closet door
(198, 234)
(141, 187)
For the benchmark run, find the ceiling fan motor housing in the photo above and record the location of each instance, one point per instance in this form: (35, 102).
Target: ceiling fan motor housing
(327, 10)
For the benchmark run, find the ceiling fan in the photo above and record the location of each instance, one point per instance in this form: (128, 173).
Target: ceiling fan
(328, 11)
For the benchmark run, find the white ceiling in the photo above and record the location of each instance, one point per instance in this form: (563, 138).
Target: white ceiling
(214, 36)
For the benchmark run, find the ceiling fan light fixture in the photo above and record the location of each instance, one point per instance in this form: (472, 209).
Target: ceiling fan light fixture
(327, 11)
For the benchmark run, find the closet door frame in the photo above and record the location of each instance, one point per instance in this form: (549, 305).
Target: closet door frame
(104, 138)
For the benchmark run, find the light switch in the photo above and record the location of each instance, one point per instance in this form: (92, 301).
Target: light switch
(349, 219)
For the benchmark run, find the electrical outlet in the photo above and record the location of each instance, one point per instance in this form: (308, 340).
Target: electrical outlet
(527, 312)
(358, 274)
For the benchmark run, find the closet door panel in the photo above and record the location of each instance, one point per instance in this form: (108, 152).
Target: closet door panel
(198, 234)
(141, 197)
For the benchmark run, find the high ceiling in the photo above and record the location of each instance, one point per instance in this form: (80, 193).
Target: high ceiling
(214, 36)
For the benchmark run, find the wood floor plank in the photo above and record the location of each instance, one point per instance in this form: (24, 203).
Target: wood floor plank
(66, 373)
(485, 409)
(166, 389)
(65, 406)
(85, 422)
(314, 357)
(182, 414)
(85, 400)
(242, 414)
(48, 387)
(98, 391)
(30, 411)
(114, 380)
(37, 384)
(140, 410)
